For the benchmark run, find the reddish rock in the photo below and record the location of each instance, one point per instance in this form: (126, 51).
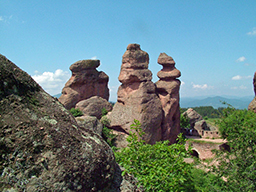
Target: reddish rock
(137, 98)
(168, 91)
(84, 83)
(93, 106)
(252, 105)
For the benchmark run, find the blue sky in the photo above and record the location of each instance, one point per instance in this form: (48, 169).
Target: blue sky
(213, 42)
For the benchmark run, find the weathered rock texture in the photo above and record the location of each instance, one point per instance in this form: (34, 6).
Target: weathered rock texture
(136, 96)
(42, 147)
(193, 117)
(252, 105)
(84, 83)
(90, 122)
(93, 106)
(168, 91)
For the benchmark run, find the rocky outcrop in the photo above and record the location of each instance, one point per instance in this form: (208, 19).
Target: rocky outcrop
(125, 183)
(136, 96)
(193, 116)
(84, 83)
(90, 122)
(94, 106)
(252, 105)
(168, 91)
(42, 147)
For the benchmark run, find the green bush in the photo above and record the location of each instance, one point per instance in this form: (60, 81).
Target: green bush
(76, 112)
(107, 134)
(158, 167)
(238, 165)
(104, 112)
(184, 121)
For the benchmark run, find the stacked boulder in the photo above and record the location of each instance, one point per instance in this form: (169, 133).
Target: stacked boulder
(168, 91)
(252, 105)
(84, 83)
(137, 98)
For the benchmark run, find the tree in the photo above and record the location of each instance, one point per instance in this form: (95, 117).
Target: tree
(238, 166)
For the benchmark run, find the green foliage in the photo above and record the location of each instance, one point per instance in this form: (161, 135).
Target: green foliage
(104, 111)
(76, 112)
(107, 134)
(238, 127)
(184, 121)
(205, 181)
(158, 167)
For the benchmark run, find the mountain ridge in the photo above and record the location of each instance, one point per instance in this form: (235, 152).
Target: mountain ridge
(216, 101)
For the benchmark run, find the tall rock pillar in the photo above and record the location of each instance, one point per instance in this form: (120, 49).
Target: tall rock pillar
(252, 105)
(136, 96)
(168, 91)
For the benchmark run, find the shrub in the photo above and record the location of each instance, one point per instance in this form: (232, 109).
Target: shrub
(104, 112)
(158, 167)
(238, 165)
(184, 121)
(76, 112)
(107, 134)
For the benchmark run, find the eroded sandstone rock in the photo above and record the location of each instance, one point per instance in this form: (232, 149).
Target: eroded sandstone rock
(84, 83)
(136, 96)
(42, 147)
(252, 105)
(168, 91)
(94, 106)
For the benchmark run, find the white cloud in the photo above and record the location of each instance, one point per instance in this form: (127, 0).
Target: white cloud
(241, 59)
(239, 77)
(94, 58)
(52, 82)
(240, 87)
(253, 32)
(204, 86)
(5, 19)
(182, 83)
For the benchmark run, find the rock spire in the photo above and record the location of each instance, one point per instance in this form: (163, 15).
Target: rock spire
(168, 91)
(137, 97)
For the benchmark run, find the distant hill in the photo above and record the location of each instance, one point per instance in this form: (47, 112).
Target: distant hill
(58, 95)
(216, 102)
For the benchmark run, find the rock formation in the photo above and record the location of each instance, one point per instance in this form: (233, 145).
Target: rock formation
(42, 147)
(252, 105)
(84, 83)
(93, 106)
(168, 91)
(90, 122)
(193, 117)
(136, 96)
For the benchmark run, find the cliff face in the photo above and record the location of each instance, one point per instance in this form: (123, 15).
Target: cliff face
(42, 147)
